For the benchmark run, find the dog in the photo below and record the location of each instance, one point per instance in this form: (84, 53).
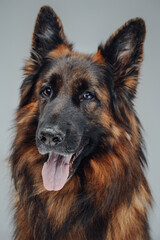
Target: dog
(78, 159)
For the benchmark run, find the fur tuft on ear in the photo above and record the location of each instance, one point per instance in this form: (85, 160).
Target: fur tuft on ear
(124, 52)
(48, 34)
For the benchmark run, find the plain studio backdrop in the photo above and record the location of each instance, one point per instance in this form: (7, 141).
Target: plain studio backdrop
(86, 23)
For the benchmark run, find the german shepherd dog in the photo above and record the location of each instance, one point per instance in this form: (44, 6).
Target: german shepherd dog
(78, 157)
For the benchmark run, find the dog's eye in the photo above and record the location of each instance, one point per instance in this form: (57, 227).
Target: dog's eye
(87, 96)
(46, 92)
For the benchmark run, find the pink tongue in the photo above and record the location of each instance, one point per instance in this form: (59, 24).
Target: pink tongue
(55, 171)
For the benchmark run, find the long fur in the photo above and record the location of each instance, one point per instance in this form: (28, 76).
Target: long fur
(108, 196)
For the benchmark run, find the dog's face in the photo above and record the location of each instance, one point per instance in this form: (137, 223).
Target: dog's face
(71, 105)
(82, 98)
(69, 99)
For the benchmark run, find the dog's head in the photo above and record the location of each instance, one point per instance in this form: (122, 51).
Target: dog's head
(82, 98)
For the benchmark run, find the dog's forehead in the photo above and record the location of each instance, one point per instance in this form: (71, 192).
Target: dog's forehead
(73, 67)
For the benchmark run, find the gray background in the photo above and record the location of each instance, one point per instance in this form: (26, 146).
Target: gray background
(87, 23)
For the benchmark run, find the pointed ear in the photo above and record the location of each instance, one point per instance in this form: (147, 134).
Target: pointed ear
(124, 51)
(48, 33)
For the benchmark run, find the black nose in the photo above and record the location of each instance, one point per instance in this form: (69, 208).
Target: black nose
(51, 136)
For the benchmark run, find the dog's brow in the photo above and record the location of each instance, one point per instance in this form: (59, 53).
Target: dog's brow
(80, 84)
(54, 77)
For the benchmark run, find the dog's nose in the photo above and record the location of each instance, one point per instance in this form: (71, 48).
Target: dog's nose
(51, 137)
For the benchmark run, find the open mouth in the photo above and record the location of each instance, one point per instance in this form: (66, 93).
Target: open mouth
(58, 170)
